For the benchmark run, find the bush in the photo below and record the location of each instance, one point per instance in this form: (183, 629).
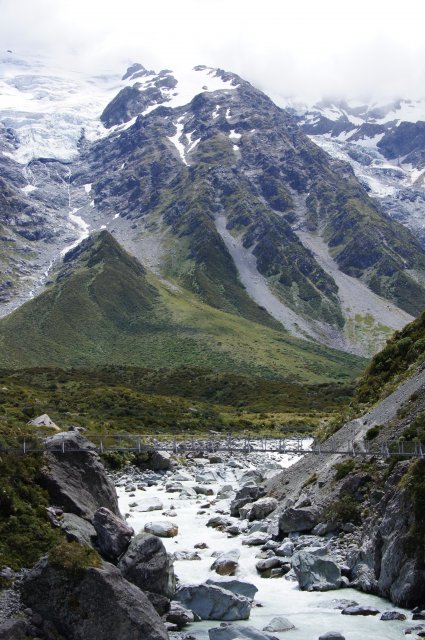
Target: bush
(373, 432)
(73, 557)
(344, 510)
(414, 483)
(344, 468)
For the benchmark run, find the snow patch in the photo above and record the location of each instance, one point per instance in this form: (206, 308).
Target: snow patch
(234, 136)
(29, 188)
(176, 141)
(80, 226)
(87, 187)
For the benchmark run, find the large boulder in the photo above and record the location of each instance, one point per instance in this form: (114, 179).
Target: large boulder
(315, 573)
(113, 534)
(213, 603)
(233, 631)
(262, 508)
(75, 477)
(179, 616)
(226, 563)
(77, 529)
(279, 623)
(298, 519)
(155, 460)
(13, 629)
(245, 495)
(147, 565)
(151, 503)
(240, 587)
(91, 603)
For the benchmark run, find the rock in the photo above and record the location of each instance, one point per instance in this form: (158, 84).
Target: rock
(179, 616)
(360, 611)
(173, 487)
(203, 491)
(225, 492)
(263, 566)
(256, 539)
(76, 480)
(279, 623)
(215, 459)
(323, 528)
(332, 635)
(219, 522)
(44, 421)
(303, 501)
(233, 631)
(285, 550)
(187, 493)
(162, 528)
(113, 534)
(201, 545)
(392, 615)
(245, 495)
(13, 629)
(91, 604)
(206, 476)
(302, 519)
(340, 603)
(262, 508)
(183, 554)
(159, 461)
(316, 573)
(239, 587)
(213, 603)
(78, 529)
(149, 504)
(227, 563)
(253, 475)
(160, 603)
(147, 565)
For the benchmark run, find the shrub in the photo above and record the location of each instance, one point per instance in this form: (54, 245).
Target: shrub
(373, 432)
(344, 468)
(414, 483)
(344, 510)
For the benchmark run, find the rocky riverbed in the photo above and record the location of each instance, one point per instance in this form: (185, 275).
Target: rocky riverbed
(190, 505)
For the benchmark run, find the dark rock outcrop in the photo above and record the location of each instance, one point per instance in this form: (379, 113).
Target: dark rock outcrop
(299, 519)
(316, 573)
(245, 495)
(147, 565)
(75, 477)
(91, 604)
(213, 603)
(113, 534)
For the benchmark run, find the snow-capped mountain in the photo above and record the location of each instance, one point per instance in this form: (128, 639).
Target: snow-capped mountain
(214, 188)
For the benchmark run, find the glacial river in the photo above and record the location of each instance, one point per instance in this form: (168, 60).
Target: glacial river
(310, 612)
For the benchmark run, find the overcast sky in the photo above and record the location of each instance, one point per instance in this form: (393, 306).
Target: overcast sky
(357, 49)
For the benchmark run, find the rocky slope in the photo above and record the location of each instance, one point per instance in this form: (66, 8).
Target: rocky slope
(216, 190)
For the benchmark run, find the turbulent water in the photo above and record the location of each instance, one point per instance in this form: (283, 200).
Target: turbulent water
(311, 613)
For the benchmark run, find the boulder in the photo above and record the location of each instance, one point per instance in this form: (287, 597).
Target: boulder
(213, 603)
(219, 522)
(113, 534)
(206, 476)
(253, 475)
(245, 495)
(179, 616)
(225, 492)
(44, 421)
(160, 603)
(279, 623)
(184, 554)
(203, 491)
(285, 550)
(159, 461)
(13, 629)
(298, 519)
(78, 529)
(147, 565)
(393, 615)
(149, 504)
(261, 508)
(360, 610)
(162, 528)
(332, 635)
(233, 631)
(75, 477)
(91, 603)
(239, 587)
(226, 563)
(256, 539)
(315, 573)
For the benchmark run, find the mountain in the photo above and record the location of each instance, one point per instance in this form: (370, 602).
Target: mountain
(215, 189)
(103, 308)
(385, 145)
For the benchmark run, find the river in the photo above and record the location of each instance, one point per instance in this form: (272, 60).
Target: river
(310, 612)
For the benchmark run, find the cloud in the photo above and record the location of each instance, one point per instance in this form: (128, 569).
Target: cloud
(364, 49)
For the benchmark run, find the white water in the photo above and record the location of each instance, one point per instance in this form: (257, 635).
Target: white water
(309, 612)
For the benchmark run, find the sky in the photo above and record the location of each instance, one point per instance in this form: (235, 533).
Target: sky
(363, 50)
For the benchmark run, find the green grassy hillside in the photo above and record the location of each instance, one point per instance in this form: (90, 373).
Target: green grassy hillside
(105, 309)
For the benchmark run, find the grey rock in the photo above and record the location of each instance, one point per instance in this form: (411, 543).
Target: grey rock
(225, 492)
(149, 504)
(159, 461)
(316, 573)
(233, 631)
(251, 475)
(179, 616)
(392, 615)
(239, 587)
(245, 495)
(147, 565)
(162, 529)
(160, 603)
(78, 529)
(256, 539)
(360, 611)
(226, 563)
(219, 522)
(184, 554)
(113, 534)
(268, 563)
(279, 623)
(76, 480)
(302, 519)
(340, 603)
(332, 635)
(13, 629)
(213, 603)
(285, 550)
(261, 508)
(203, 491)
(91, 604)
